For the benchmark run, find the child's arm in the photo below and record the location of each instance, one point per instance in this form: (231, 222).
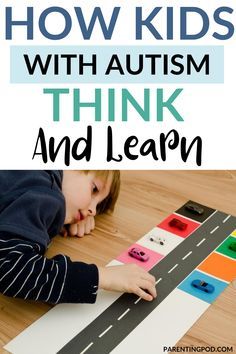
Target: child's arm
(26, 273)
(128, 278)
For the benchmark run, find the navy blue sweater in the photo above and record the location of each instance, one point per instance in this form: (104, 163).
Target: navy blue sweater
(32, 212)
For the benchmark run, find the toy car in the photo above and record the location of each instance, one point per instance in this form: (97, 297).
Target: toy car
(232, 246)
(160, 240)
(138, 254)
(194, 208)
(178, 224)
(202, 285)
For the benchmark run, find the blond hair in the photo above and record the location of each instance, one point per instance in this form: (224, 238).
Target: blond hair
(108, 204)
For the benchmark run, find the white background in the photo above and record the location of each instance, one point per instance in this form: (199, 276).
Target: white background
(208, 110)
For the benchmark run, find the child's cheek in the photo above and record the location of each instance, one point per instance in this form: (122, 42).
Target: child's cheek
(85, 200)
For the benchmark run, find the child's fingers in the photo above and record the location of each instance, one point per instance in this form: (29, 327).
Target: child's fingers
(149, 277)
(143, 294)
(89, 222)
(73, 230)
(146, 284)
(81, 229)
(92, 223)
(149, 287)
(87, 228)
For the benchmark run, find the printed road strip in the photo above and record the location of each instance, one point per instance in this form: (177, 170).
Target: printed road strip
(139, 311)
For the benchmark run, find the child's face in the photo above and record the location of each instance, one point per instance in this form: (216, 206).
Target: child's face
(83, 192)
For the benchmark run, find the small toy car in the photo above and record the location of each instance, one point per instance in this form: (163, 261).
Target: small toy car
(138, 254)
(160, 240)
(194, 208)
(202, 285)
(232, 246)
(178, 224)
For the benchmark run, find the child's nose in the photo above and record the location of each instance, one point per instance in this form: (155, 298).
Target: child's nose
(92, 209)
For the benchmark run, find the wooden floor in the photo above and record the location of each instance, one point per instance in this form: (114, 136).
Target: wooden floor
(146, 198)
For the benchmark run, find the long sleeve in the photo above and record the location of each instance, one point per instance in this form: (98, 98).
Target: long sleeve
(26, 273)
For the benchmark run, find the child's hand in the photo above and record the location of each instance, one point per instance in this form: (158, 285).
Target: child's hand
(81, 228)
(128, 278)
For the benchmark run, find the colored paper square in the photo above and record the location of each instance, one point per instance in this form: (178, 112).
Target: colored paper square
(219, 266)
(154, 257)
(191, 225)
(207, 297)
(224, 248)
(234, 233)
(170, 241)
(195, 216)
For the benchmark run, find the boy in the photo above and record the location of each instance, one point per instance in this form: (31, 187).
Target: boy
(34, 206)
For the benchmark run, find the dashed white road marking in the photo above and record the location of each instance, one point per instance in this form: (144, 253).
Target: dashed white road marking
(188, 254)
(173, 268)
(104, 332)
(199, 243)
(212, 231)
(226, 218)
(123, 314)
(85, 349)
(158, 281)
(137, 300)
